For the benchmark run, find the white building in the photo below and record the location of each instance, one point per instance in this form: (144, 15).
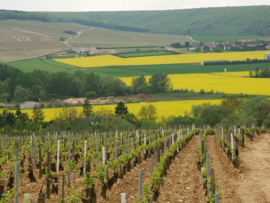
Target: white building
(28, 105)
(267, 56)
(80, 49)
(192, 49)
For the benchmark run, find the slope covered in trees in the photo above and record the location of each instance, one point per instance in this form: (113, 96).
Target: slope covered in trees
(225, 21)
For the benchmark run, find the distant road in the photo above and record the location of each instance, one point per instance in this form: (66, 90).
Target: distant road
(192, 39)
(79, 33)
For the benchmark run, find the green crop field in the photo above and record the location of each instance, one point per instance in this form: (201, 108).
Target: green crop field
(227, 38)
(29, 65)
(130, 71)
(146, 53)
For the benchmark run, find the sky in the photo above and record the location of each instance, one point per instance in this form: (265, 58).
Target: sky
(120, 5)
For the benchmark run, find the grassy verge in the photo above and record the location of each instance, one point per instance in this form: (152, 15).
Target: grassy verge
(225, 38)
(132, 71)
(145, 53)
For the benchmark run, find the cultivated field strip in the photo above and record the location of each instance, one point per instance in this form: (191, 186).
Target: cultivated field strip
(225, 172)
(109, 60)
(129, 184)
(93, 163)
(183, 180)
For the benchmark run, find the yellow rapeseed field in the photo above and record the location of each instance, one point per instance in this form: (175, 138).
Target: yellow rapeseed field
(109, 60)
(166, 109)
(229, 82)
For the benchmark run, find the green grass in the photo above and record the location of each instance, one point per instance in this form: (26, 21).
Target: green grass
(29, 65)
(189, 96)
(225, 38)
(145, 53)
(131, 71)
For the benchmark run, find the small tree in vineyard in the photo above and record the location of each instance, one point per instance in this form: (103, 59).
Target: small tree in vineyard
(121, 109)
(38, 115)
(87, 108)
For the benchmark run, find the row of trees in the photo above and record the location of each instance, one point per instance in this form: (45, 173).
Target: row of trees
(45, 85)
(257, 73)
(157, 83)
(231, 111)
(20, 121)
(178, 44)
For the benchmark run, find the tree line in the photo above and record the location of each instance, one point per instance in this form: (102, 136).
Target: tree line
(204, 21)
(22, 15)
(257, 73)
(231, 111)
(43, 85)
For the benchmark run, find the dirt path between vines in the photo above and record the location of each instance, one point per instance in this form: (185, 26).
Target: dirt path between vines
(129, 184)
(249, 184)
(255, 166)
(227, 176)
(183, 181)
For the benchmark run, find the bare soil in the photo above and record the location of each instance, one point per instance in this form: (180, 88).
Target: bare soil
(251, 182)
(129, 184)
(254, 183)
(183, 181)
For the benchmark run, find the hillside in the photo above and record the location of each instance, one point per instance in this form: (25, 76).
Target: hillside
(224, 21)
(25, 39)
(227, 21)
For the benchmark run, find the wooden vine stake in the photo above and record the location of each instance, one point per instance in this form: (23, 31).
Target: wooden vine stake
(213, 184)
(16, 181)
(140, 184)
(48, 173)
(68, 174)
(236, 155)
(207, 170)
(63, 189)
(40, 162)
(84, 155)
(232, 144)
(216, 198)
(58, 154)
(152, 164)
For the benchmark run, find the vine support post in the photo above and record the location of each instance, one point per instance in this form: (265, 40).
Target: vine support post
(48, 173)
(123, 197)
(207, 170)
(63, 189)
(152, 164)
(84, 155)
(68, 174)
(232, 144)
(140, 184)
(16, 181)
(216, 198)
(58, 155)
(103, 155)
(40, 161)
(236, 155)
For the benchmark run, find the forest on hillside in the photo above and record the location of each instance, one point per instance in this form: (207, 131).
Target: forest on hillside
(224, 21)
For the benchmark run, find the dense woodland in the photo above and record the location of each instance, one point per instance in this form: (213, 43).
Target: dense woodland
(226, 21)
